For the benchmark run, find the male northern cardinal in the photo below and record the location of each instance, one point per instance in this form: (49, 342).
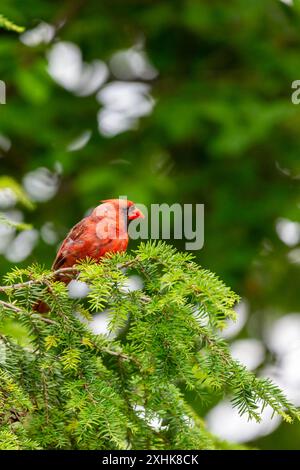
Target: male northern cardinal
(103, 231)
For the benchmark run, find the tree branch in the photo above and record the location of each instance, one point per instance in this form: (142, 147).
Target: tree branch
(37, 281)
(19, 310)
(56, 273)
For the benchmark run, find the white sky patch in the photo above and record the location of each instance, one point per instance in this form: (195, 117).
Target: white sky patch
(123, 103)
(78, 289)
(249, 352)
(132, 98)
(66, 67)
(7, 233)
(131, 64)
(201, 315)
(65, 64)
(234, 327)
(226, 423)
(41, 185)
(48, 233)
(153, 420)
(283, 335)
(132, 283)
(92, 78)
(15, 215)
(283, 338)
(288, 231)
(289, 366)
(100, 324)
(278, 376)
(111, 123)
(6, 237)
(22, 245)
(8, 198)
(43, 33)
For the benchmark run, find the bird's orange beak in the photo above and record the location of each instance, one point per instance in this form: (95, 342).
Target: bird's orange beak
(134, 213)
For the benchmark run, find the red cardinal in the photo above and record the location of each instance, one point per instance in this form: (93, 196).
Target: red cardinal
(105, 230)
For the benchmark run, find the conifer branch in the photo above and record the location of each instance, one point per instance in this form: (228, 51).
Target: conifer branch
(14, 308)
(71, 388)
(39, 280)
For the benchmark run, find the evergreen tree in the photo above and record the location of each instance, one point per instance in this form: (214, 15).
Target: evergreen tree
(64, 387)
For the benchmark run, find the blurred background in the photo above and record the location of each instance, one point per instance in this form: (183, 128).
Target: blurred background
(184, 101)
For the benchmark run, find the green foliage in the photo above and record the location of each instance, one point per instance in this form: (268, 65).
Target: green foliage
(9, 25)
(15, 190)
(10, 223)
(8, 183)
(71, 389)
(223, 132)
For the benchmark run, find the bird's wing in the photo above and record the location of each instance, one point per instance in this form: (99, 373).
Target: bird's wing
(90, 238)
(70, 245)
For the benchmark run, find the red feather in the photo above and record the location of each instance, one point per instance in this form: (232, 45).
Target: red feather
(104, 231)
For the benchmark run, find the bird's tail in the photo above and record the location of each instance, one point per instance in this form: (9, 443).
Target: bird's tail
(41, 307)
